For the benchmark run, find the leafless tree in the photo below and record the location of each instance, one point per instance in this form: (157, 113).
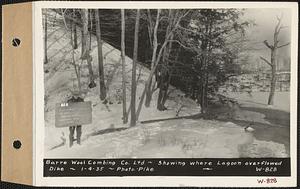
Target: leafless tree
(77, 66)
(86, 43)
(100, 57)
(173, 25)
(134, 62)
(154, 46)
(272, 63)
(125, 116)
(74, 31)
(45, 36)
(167, 40)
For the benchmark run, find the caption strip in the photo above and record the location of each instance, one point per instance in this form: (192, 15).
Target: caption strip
(167, 167)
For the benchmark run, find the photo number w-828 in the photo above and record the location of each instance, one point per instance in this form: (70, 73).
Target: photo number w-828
(266, 169)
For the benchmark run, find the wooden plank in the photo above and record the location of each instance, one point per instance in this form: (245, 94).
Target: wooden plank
(73, 113)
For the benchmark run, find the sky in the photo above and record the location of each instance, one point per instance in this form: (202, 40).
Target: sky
(265, 21)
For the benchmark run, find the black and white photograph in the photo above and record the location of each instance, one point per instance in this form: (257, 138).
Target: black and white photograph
(150, 93)
(165, 94)
(167, 83)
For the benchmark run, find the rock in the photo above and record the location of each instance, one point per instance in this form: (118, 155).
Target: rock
(230, 124)
(249, 129)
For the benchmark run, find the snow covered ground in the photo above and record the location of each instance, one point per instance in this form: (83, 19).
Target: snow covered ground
(169, 139)
(260, 99)
(108, 137)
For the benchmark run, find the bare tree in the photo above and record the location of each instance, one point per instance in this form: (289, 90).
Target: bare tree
(125, 116)
(74, 30)
(150, 26)
(77, 66)
(90, 28)
(174, 19)
(100, 57)
(82, 42)
(45, 37)
(134, 62)
(167, 40)
(274, 48)
(154, 45)
(163, 81)
(86, 43)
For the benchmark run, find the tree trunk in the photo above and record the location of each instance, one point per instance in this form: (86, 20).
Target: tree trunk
(100, 58)
(75, 36)
(54, 20)
(140, 104)
(125, 116)
(76, 67)
(273, 77)
(45, 38)
(159, 100)
(201, 90)
(78, 77)
(149, 91)
(82, 43)
(202, 96)
(168, 49)
(206, 91)
(158, 57)
(272, 87)
(92, 83)
(150, 27)
(163, 88)
(273, 62)
(165, 95)
(159, 81)
(149, 77)
(75, 43)
(166, 77)
(86, 52)
(133, 84)
(90, 29)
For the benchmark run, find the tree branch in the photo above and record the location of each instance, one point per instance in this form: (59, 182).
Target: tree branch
(279, 18)
(278, 26)
(63, 15)
(182, 45)
(68, 17)
(283, 27)
(266, 61)
(283, 45)
(267, 44)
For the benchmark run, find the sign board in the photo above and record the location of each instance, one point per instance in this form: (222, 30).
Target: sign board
(73, 113)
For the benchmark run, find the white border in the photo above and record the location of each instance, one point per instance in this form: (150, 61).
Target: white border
(203, 181)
